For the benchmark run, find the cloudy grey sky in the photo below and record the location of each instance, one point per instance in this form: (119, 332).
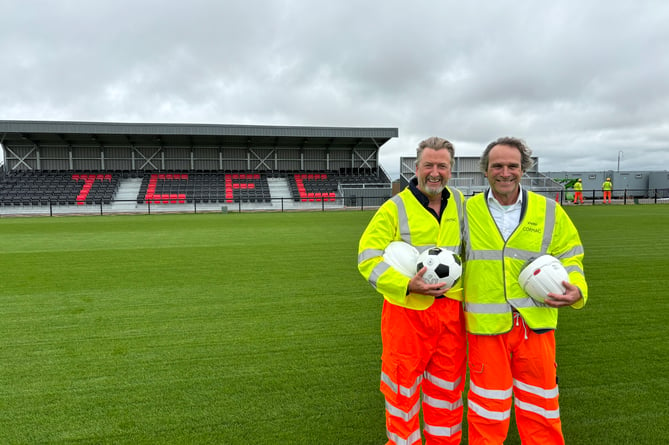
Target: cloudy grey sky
(584, 82)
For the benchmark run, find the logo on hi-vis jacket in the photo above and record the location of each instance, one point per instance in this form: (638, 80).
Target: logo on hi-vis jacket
(532, 227)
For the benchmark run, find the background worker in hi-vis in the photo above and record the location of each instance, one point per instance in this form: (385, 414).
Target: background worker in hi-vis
(578, 192)
(607, 186)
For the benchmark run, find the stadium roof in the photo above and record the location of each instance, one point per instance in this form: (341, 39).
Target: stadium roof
(59, 133)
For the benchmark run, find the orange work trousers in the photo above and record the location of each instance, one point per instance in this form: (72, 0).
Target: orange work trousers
(520, 363)
(607, 196)
(423, 352)
(578, 196)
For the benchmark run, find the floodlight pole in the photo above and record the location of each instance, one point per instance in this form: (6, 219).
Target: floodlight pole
(620, 153)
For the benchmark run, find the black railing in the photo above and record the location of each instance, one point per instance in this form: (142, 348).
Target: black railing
(55, 208)
(618, 196)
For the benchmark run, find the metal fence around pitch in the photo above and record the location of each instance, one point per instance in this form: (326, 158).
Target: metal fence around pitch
(618, 196)
(116, 207)
(120, 207)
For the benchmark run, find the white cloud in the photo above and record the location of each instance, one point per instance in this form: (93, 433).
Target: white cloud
(578, 80)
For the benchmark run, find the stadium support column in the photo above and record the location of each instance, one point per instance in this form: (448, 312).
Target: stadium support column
(2, 144)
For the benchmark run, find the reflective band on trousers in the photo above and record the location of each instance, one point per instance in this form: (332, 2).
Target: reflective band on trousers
(441, 383)
(395, 411)
(548, 414)
(399, 389)
(495, 394)
(442, 404)
(443, 431)
(536, 390)
(503, 394)
(492, 415)
(413, 438)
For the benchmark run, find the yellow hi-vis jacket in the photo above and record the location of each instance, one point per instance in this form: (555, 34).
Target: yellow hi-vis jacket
(492, 266)
(404, 218)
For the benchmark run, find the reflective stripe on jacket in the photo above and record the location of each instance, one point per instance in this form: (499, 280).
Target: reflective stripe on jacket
(492, 265)
(403, 218)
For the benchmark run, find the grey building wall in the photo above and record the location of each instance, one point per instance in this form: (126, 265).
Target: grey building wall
(625, 183)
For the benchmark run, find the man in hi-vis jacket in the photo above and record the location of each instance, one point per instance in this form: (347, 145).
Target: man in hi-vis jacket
(511, 337)
(422, 326)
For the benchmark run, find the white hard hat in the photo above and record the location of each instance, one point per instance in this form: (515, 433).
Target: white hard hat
(401, 256)
(543, 276)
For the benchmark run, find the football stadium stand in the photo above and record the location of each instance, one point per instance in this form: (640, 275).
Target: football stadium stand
(88, 167)
(80, 166)
(94, 188)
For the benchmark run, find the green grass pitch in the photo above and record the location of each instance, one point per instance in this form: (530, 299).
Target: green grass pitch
(258, 329)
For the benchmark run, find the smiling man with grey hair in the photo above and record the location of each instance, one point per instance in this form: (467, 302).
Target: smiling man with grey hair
(422, 325)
